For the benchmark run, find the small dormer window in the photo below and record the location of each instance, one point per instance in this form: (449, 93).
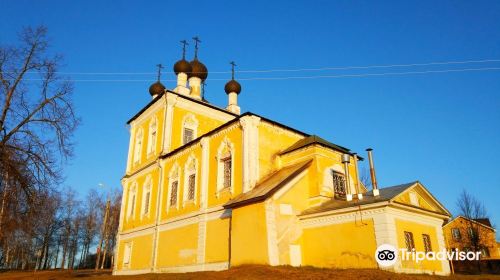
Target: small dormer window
(338, 183)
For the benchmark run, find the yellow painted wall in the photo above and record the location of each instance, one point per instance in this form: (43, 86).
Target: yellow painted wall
(249, 235)
(147, 157)
(424, 201)
(184, 206)
(235, 136)
(324, 160)
(141, 253)
(346, 245)
(217, 241)
(417, 230)
(178, 246)
(273, 140)
(205, 124)
(137, 219)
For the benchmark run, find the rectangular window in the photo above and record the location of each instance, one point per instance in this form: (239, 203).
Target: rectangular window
(152, 144)
(173, 193)
(455, 232)
(227, 172)
(127, 253)
(427, 242)
(338, 183)
(410, 244)
(188, 135)
(191, 186)
(472, 233)
(146, 203)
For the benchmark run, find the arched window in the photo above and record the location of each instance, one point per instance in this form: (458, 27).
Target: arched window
(189, 128)
(138, 146)
(153, 127)
(225, 166)
(190, 183)
(146, 197)
(173, 183)
(131, 200)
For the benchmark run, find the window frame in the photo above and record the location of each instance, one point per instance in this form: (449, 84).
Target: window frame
(147, 188)
(336, 174)
(225, 152)
(454, 236)
(190, 169)
(152, 139)
(426, 239)
(128, 246)
(189, 122)
(173, 177)
(132, 201)
(409, 241)
(138, 143)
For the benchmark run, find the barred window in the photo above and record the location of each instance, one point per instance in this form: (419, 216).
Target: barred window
(338, 183)
(427, 242)
(191, 186)
(227, 172)
(410, 244)
(152, 137)
(188, 135)
(173, 193)
(455, 232)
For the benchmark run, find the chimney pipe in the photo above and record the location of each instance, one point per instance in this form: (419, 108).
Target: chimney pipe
(345, 161)
(372, 172)
(356, 184)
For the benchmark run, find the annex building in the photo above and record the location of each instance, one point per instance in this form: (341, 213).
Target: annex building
(208, 188)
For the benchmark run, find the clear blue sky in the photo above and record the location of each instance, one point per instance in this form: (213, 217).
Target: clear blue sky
(440, 128)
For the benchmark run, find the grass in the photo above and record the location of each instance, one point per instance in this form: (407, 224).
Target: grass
(241, 272)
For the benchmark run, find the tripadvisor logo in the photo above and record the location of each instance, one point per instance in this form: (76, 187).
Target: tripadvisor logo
(386, 255)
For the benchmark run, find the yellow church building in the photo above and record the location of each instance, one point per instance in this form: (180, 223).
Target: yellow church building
(208, 188)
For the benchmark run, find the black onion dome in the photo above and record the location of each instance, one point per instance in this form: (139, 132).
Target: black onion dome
(232, 86)
(182, 66)
(198, 70)
(156, 88)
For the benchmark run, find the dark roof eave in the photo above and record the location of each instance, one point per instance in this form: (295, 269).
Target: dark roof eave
(181, 96)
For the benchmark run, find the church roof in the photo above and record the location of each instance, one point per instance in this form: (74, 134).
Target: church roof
(386, 194)
(268, 185)
(314, 139)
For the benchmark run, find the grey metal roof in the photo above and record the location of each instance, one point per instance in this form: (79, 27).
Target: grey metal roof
(385, 194)
(269, 185)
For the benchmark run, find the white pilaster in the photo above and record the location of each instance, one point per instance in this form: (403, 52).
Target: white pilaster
(385, 233)
(250, 125)
(167, 134)
(205, 165)
(272, 235)
(202, 239)
(130, 145)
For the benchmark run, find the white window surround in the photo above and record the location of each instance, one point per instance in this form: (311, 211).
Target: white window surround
(146, 199)
(190, 122)
(190, 168)
(174, 175)
(226, 148)
(328, 180)
(132, 201)
(153, 136)
(138, 145)
(127, 254)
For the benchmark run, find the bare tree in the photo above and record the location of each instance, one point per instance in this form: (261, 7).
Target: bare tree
(37, 118)
(472, 210)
